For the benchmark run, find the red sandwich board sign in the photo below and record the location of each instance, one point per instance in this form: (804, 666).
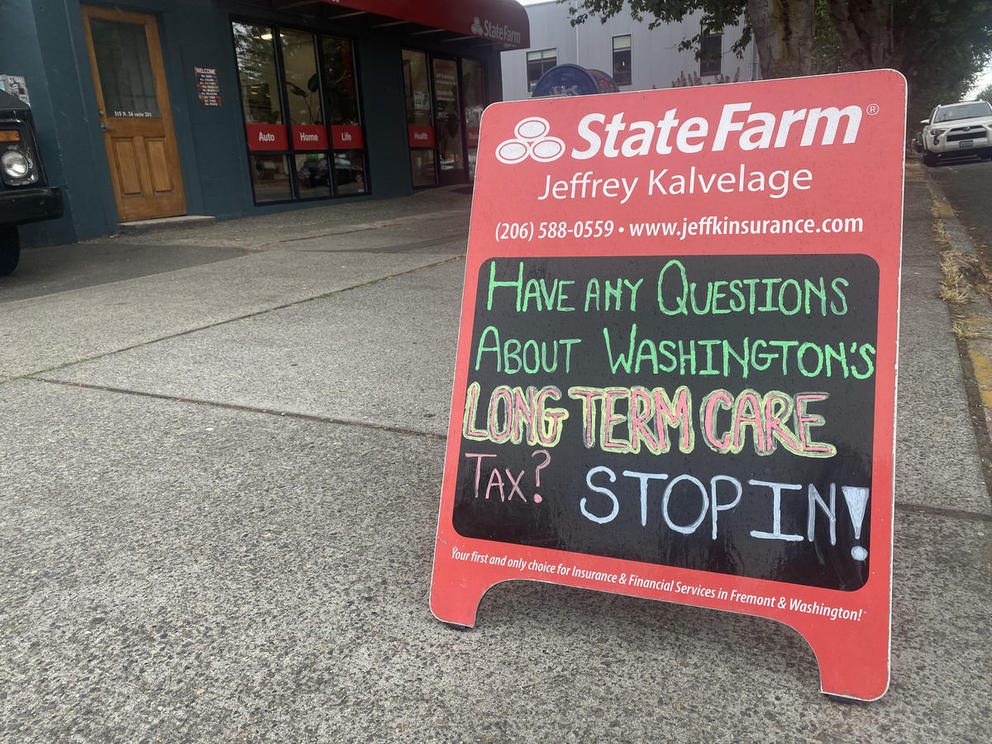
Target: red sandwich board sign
(676, 367)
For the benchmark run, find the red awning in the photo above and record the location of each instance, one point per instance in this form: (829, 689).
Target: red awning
(500, 21)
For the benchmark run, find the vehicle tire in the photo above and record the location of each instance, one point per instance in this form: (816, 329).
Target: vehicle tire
(929, 159)
(10, 249)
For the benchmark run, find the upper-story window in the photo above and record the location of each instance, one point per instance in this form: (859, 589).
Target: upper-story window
(710, 54)
(538, 63)
(621, 59)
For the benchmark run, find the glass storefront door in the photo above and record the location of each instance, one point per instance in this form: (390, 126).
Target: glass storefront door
(448, 115)
(419, 118)
(474, 100)
(444, 102)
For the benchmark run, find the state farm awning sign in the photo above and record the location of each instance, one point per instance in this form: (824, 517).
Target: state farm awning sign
(677, 357)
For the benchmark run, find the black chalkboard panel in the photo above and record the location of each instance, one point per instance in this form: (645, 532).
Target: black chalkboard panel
(756, 337)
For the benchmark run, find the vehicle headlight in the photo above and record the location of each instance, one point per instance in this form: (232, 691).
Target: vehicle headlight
(16, 166)
(936, 132)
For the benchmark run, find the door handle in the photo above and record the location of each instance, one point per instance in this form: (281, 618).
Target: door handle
(105, 127)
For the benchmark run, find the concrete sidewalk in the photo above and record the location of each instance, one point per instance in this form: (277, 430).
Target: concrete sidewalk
(219, 485)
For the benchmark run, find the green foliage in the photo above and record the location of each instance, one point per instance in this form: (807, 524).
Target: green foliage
(986, 93)
(717, 15)
(828, 56)
(939, 45)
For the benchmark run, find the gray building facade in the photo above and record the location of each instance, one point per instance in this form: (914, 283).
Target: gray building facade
(638, 58)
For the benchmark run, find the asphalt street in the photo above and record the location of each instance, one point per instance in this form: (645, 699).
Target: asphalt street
(220, 465)
(966, 184)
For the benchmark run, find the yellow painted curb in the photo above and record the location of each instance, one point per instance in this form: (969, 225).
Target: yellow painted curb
(914, 172)
(983, 374)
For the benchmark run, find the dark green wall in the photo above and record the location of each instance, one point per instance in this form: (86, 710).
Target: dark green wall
(44, 41)
(37, 43)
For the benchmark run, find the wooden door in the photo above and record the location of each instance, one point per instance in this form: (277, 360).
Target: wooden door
(126, 61)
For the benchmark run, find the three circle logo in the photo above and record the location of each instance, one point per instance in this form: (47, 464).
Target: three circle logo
(531, 140)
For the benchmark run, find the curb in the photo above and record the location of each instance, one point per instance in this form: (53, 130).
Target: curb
(164, 223)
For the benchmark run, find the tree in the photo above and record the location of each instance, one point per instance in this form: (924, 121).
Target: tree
(939, 45)
(781, 29)
(986, 94)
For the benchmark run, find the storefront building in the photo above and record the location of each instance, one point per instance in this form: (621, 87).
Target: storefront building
(155, 108)
(635, 54)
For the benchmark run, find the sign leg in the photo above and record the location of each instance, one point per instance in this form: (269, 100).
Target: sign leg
(852, 665)
(456, 594)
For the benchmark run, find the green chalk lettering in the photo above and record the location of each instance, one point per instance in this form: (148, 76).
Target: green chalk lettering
(867, 353)
(681, 305)
(817, 290)
(790, 284)
(614, 293)
(530, 356)
(592, 293)
(718, 296)
(801, 359)
(769, 289)
(838, 285)
(633, 292)
(494, 283)
(839, 353)
(532, 292)
(708, 344)
(621, 360)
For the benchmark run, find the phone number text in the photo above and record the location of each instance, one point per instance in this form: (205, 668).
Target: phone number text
(529, 231)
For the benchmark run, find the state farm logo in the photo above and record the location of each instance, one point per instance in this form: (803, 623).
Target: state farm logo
(496, 31)
(531, 140)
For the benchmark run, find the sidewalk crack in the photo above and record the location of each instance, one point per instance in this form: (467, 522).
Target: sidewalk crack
(245, 409)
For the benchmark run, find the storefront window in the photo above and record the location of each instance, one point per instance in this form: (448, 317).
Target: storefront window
(340, 91)
(349, 170)
(419, 119)
(343, 114)
(257, 72)
(320, 150)
(474, 95)
(418, 91)
(313, 175)
(299, 64)
(270, 178)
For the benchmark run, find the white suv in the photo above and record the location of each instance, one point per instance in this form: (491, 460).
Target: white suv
(958, 129)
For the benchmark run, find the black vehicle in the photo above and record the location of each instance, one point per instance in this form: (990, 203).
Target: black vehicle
(25, 195)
